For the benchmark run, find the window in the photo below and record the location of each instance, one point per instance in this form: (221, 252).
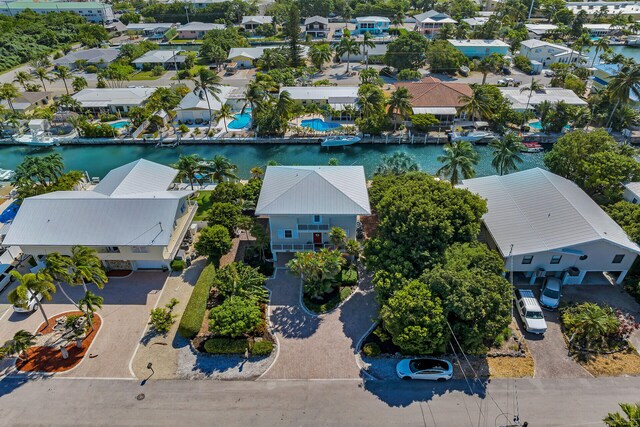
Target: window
(617, 259)
(317, 219)
(555, 259)
(527, 259)
(113, 249)
(139, 249)
(288, 234)
(634, 200)
(583, 257)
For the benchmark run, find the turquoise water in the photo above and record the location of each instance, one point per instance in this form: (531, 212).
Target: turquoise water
(319, 125)
(538, 125)
(240, 121)
(97, 160)
(120, 125)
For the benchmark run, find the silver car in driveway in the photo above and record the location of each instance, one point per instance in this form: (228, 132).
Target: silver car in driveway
(550, 294)
(425, 368)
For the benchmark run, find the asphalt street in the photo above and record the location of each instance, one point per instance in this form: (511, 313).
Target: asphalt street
(40, 401)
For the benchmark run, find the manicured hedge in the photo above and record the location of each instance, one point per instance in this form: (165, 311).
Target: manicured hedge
(177, 265)
(193, 315)
(226, 346)
(262, 348)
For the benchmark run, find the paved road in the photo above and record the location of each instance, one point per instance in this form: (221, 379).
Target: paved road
(309, 403)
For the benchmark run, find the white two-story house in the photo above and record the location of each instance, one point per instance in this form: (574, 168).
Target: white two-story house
(130, 218)
(303, 203)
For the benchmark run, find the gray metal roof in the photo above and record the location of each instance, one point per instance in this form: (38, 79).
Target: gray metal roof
(92, 56)
(536, 211)
(160, 57)
(105, 97)
(198, 101)
(257, 19)
(520, 99)
(314, 190)
(131, 206)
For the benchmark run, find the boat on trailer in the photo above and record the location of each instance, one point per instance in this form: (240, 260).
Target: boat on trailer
(339, 141)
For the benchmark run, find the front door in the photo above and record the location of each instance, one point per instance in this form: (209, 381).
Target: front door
(317, 238)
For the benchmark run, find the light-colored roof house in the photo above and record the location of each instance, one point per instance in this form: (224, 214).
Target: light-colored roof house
(114, 99)
(550, 53)
(632, 192)
(431, 22)
(98, 57)
(252, 22)
(28, 101)
(303, 203)
(156, 30)
(244, 57)
(197, 30)
(130, 216)
(519, 100)
(337, 97)
(164, 58)
(194, 105)
(546, 222)
(478, 48)
(539, 30)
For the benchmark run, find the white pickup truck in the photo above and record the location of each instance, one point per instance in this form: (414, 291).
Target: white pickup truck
(530, 312)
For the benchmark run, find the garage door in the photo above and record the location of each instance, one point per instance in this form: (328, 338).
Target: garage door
(150, 265)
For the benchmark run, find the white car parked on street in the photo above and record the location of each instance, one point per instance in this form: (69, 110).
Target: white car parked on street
(425, 368)
(530, 312)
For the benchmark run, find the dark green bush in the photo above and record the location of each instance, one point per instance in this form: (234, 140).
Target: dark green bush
(371, 349)
(349, 277)
(262, 348)
(177, 265)
(91, 69)
(194, 312)
(523, 63)
(226, 346)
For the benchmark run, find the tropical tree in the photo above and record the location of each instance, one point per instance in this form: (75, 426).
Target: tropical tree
(396, 164)
(9, 92)
(89, 304)
(630, 416)
(601, 45)
(458, 160)
(347, 46)
(190, 167)
(42, 74)
(477, 105)
(58, 270)
(86, 267)
(63, 73)
(337, 237)
(224, 113)
(20, 343)
(317, 270)
(590, 324)
(221, 169)
(214, 242)
(506, 153)
(622, 85)
(79, 83)
(207, 83)
(367, 44)
(319, 54)
(535, 86)
(30, 285)
(239, 279)
(400, 104)
(22, 78)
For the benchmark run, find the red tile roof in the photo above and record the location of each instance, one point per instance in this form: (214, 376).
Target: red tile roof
(432, 92)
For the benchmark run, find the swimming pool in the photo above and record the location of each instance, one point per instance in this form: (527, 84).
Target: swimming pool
(319, 125)
(121, 124)
(538, 126)
(240, 121)
(9, 213)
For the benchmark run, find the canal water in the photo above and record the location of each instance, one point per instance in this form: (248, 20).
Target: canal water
(97, 160)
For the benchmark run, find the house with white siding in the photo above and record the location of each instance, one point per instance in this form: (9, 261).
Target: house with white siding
(303, 203)
(545, 225)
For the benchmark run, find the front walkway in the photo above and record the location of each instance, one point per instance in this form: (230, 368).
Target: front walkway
(317, 347)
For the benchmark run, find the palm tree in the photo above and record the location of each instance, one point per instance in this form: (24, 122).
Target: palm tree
(366, 45)
(458, 159)
(86, 267)
(631, 417)
(9, 92)
(622, 85)
(397, 164)
(400, 104)
(63, 73)
(398, 19)
(224, 113)
(29, 286)
(207, 82)
(22, 78)
(319, 54)
(535, 86)
(477, 105)
(221, 168)
(347, 46)
(506, 153)
(20, 343)
(42, 74)
(88, 304)
(602, 45)
(257, 172)
(284, 105)
(79, 83)
(190, 167)
(58, 269)
(370, 100)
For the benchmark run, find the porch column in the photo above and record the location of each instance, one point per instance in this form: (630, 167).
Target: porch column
(621, 277)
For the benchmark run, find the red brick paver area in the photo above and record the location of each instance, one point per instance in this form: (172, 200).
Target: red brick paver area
(317, 347)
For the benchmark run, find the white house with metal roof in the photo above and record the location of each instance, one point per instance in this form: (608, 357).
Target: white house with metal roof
(194, 107)
(303, 203)
(250, 23)
(631, 192)
(544, 224)
(168, 59)
(113, 99)
(197, 30)
(130, 218)
(100, 57)
(550, 53)
(519, 100)
(337, 97)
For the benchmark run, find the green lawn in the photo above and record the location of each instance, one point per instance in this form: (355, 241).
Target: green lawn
(185, 41)
(193, 71)
(144, 75)
(204, 204)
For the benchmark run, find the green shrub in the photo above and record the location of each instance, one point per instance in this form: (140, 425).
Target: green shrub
(226, 346)
(262, 348)
(92, 69)
(349, 277)
(183, 128)
(162, 319)
(235, 317)
(177, 265)
(345, 292)
(422, 122)
(157, 71)
(408, 74)
(194, 312)
(523, 63)
(371, 349)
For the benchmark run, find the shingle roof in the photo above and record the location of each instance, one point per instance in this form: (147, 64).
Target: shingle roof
(536, 210)
(314, 190)
(431, 92)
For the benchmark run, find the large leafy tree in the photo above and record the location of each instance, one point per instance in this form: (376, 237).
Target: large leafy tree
(30, 285)
(235, 317)
(214, 242)
(206, 86)
(320, 54)
(458, 160)
(408, 51)
(348, 46)
(443, 57)
(291, 31)
(627, 215)
(419, 217)
(222, 169)
(226, 215)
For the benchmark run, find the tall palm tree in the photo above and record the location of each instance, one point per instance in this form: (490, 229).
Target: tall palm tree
(79, 83)
(9, 92)
(477, 105)
(22, 78)
(367, 44)
(347, 46)
(58, 270)
(207, 83)
(319, 54)
(458, 159)
(396, 164)
(284, 105)
(506, 153)
(535, 86)
(190, 167)
(622, 85)
(370, 100)
(224, 113)
(63, 73)
(89, 304)
(29, 285)
(602, 45)
(20, 343)
(400, 104)
(42, 74)
(221, 168)
(86, 267)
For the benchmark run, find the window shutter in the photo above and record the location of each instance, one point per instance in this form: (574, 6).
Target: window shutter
(280, 234)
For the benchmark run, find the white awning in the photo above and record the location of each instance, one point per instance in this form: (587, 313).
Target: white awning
(341, 107)
(436, 111)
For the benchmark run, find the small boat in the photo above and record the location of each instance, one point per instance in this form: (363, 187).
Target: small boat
(633, 40)
(472, 136)
(339, 141)
(531, 147)
(6, 174)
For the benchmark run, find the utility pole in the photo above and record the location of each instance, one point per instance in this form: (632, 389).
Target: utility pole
(530, 9)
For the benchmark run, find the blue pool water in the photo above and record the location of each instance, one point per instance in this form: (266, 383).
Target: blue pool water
(120, 124)
(9, 213)
(240, 121)
(537, 125)
(319, 125)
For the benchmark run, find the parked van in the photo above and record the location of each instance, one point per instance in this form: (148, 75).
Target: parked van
(530, 312)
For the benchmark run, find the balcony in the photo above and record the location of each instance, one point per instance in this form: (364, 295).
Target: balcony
(292, 247)
(313, 227)
(182, 225)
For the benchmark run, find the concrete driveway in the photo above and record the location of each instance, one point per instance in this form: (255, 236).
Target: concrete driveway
(125, 313)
